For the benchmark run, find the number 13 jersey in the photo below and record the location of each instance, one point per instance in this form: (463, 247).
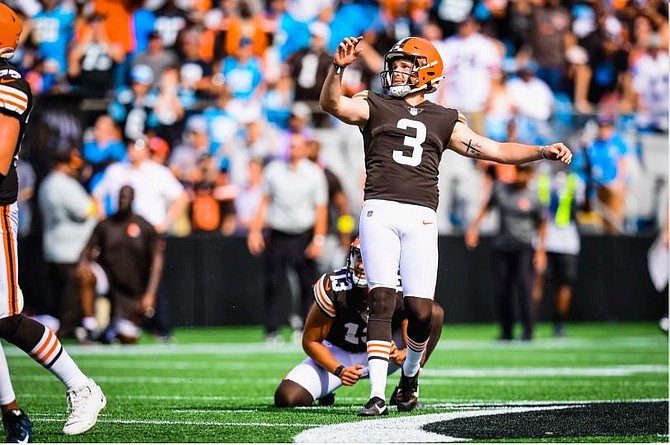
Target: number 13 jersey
(403, 148)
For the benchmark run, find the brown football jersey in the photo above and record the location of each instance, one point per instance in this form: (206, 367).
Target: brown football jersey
(340, 299)
(403, 149)
(16, 100)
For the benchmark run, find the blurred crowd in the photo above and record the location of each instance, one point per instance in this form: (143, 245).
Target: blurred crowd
(215, 85)
(214, 91)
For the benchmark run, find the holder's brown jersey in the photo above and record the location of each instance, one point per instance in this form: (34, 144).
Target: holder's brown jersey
(340, 299)
(16, 100)
(403, 149)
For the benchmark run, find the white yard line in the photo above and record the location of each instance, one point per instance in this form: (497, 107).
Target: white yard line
(182, 422)
(600, 371)
(254, 348)
(429, 377)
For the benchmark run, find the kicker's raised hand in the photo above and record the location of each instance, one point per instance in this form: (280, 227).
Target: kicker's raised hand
(347, 51)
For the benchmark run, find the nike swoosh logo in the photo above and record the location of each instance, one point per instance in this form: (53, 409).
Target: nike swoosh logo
(425, 223)
(379, 410)
(7, 80)
(27, 438)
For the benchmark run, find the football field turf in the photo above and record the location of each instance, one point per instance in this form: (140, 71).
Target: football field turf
(217, 385)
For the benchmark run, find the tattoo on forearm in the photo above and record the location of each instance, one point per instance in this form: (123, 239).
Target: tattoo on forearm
(474, 148)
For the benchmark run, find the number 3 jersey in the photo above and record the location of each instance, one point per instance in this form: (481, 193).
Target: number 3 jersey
(403, 148)
(340, 299)
(16, 100)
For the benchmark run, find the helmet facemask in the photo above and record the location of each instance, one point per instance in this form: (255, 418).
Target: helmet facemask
(411, 85)
(355, 270)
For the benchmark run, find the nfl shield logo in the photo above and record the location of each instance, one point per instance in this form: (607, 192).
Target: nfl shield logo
(413, 111)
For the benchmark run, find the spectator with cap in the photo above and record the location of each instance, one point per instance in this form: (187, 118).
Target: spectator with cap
(605, 161)
(133, 108)
(156, 57)
(242, 73)
(299, 122)
(191, 161)
(533, 103)
(309, 68)
(103, 149)
(258, 140)
(222, 123)
(68, 214)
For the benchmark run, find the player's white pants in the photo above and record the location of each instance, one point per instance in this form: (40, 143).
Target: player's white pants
(388, 228)
(319, 382)
(11, 297)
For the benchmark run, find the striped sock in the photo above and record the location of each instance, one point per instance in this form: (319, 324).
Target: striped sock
(378, 363)
(413, 359)
(49, 353)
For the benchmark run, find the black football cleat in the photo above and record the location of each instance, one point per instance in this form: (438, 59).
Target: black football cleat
(18, 427)
(407, 393)
(374, 407)
(393, 401)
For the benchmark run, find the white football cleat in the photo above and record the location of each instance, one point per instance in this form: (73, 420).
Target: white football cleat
(83, 405)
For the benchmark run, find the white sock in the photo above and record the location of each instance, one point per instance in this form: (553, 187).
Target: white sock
(6, 389)
(413, 359)
(378, 376)
(378, 364)
(49, 352)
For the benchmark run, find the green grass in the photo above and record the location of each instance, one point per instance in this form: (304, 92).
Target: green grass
(217, 384)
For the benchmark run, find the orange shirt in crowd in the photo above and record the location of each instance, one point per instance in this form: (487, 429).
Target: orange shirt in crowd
(117, 20)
